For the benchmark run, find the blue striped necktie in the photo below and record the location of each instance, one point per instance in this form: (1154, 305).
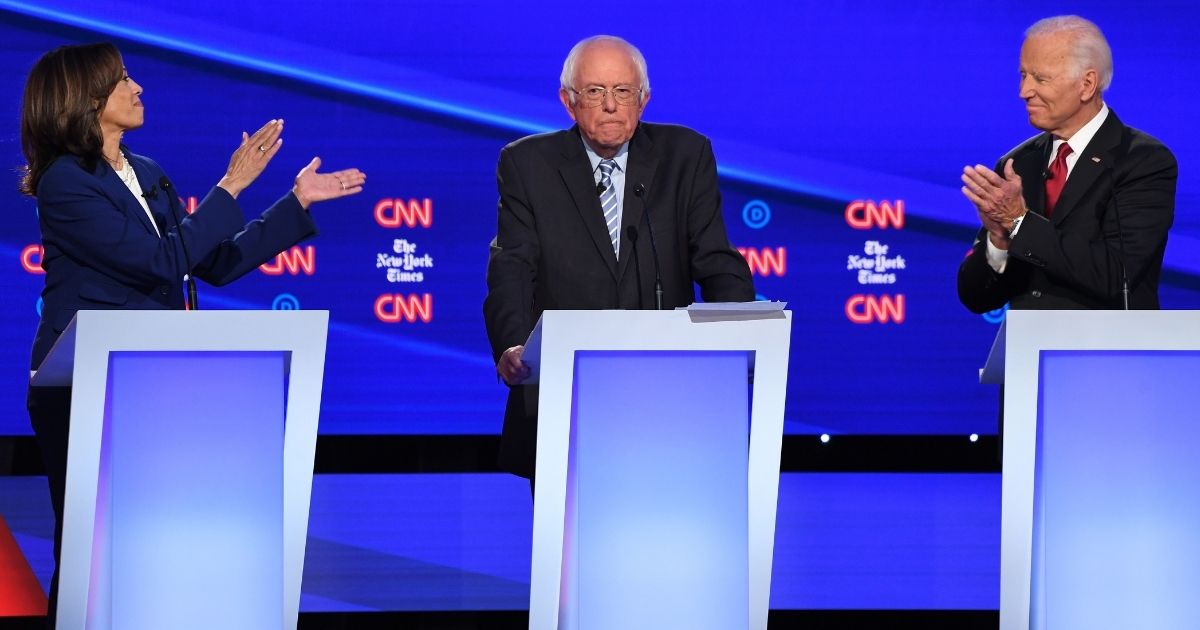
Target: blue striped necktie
(608, 201)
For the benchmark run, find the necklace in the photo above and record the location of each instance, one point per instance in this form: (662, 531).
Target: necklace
(126, 174)
(116, 164)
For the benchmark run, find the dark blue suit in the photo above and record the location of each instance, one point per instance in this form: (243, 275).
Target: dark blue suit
(101, 252)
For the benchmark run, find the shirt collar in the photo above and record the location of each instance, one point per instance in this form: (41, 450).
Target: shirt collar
(1080, 140)
(621, 158)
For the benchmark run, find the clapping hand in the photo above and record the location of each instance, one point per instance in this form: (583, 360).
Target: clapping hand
(998, 199)
(251, 157)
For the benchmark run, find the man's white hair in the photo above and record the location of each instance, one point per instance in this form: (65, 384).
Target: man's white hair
(567, 79)
(1089, 49)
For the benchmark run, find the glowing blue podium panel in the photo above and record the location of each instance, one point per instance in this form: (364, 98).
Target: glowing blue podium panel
(658, 468)
(1099, 509)
(190, 466)
(659, 488)
(194, 502)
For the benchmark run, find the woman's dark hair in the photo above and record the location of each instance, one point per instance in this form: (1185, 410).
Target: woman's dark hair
(66, 91)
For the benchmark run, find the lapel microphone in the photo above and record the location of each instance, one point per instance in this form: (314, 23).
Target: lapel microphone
(599, 189)
(150, 195)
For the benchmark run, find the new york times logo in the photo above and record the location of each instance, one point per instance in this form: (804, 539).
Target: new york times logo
(403, 263)
(874, 265)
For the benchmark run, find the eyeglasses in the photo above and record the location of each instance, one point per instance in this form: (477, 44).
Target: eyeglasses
(594, 95)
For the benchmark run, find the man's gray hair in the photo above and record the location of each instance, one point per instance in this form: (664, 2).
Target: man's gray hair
(1089, 49)
(568, 72)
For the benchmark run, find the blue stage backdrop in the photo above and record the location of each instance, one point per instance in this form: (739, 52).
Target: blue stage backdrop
(840, 131)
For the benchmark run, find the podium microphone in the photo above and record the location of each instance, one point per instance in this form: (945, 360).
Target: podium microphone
(631, 234)
(1120, 240)
(640, 191)
(173, 200)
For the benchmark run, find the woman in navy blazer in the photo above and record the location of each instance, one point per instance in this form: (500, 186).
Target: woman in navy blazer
(112, 233)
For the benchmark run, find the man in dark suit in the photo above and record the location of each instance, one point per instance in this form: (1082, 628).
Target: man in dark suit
(1077, 216)
(579, 212)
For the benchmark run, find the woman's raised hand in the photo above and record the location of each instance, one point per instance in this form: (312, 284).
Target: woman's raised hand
(249, 160)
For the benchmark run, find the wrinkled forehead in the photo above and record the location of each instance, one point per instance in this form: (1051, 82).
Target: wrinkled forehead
(1046, 50)
(606, 62)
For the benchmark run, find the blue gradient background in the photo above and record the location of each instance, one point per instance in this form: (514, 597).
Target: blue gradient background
(809, 105)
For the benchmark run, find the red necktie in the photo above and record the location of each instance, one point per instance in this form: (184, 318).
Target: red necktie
(1058, 178)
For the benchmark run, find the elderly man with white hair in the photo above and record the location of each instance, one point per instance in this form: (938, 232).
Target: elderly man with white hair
(613, 213)
(1077, 216)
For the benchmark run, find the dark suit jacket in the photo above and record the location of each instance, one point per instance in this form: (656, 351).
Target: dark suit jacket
(552, 249)
(101, 250)
(1073, 260)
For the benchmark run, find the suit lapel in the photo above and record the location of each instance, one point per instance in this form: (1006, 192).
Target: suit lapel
(1031, 166)
(1096, 157)
(110, 180)
(156, 199)
(642, 163)
(576, 174)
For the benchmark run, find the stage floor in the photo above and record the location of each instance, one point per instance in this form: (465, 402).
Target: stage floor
(461, 541)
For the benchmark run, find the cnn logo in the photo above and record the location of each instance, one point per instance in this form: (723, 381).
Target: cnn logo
(872, 309)
(393, 213)
(293, 261)
(393, 308)
(865, 215)
(766, 261)
(31, 259)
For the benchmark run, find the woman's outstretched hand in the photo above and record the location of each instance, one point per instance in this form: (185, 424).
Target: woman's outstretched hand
(312, 186)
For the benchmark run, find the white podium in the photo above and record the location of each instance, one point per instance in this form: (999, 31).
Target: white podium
(657, 468)
(1100, 506)
(189, 471)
